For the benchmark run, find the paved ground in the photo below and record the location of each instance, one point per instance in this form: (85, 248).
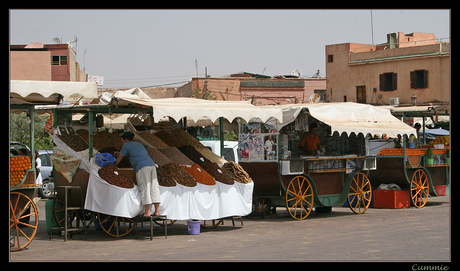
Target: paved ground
(408, 235)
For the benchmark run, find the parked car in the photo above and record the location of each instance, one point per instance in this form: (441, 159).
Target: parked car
(230, 149)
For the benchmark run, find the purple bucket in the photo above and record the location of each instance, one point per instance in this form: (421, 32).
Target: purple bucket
(193, 227)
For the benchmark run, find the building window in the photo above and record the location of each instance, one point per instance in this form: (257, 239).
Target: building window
(361, 94)
(419, 79)
(330, 58)
(58, 60)
(388, 81)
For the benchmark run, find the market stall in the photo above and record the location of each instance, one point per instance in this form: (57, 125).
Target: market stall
(185, 193)
(423, 170)
(336, 172)
(24, 95)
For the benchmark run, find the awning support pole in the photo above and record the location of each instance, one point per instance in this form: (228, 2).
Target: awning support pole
(221, 135)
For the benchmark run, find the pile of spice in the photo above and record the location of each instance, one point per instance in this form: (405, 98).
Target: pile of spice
(75, 142)
(170, 139)
(176, 156)
(158, 157)
(200, 175)
(112, 175)
(215, 171)
(153, 140)
(236, 172)
(193, 154)
(179, 174)
(164, 179)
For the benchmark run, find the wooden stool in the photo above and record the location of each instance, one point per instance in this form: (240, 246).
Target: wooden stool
(150, 219)
(67, 195)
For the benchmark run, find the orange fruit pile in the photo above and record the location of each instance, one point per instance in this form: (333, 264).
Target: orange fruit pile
(400, 152)
(18, 166)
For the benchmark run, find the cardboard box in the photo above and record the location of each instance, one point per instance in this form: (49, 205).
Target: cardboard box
(391, 199)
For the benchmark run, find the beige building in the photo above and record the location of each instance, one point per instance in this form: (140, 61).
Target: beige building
(260, 89)
(408, 65)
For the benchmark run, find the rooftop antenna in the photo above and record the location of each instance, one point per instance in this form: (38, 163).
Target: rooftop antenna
(372, 28)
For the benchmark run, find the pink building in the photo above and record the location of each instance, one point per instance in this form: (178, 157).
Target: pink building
(412, 65)
(49, 62)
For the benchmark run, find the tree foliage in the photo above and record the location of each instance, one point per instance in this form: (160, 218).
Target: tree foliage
(20, 130)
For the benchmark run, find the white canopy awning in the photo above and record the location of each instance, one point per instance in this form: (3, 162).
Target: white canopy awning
(195, 109)
(48, 92)
(349, 118)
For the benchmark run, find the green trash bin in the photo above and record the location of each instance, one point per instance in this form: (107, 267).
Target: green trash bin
(49, 217)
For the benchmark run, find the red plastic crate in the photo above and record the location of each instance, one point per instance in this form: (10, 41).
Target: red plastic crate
(441, 190)
(391, 199)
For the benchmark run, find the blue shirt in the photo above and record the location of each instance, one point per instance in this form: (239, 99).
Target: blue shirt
(138, 155)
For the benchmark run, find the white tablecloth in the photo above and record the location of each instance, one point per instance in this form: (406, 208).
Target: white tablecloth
(202, 202)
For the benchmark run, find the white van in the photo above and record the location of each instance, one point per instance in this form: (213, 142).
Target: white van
(230, 149)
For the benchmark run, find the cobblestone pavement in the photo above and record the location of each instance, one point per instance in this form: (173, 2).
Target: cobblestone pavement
(407, 235)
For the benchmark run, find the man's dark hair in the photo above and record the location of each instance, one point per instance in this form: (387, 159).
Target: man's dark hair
(128, 136)
(313, 125)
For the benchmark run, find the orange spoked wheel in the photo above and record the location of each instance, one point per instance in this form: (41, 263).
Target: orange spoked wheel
(419, 188)
(74, 219)
(299, 197)
(116, 226)
(210, 224)
(360, 193)
(23, 221)
(167, 222)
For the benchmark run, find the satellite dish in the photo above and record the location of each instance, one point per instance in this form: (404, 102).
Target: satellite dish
(296, 72)
(314, 98)
(56, 40)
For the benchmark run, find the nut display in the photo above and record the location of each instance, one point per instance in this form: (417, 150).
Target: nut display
(188, 138)
(215, 171)
(179, 174)
(158, 157)
(176, 156)
(236, 172)
(170, 139)
(75, 142)
(153, 140)
(193, 154)
(112, 175)
(164, 179)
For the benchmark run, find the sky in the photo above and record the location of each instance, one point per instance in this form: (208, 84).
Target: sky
(143, 48)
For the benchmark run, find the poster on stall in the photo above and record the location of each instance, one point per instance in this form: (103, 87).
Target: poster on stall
(258, 142)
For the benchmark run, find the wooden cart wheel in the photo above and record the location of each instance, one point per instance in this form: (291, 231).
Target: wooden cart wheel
(299, 197)
(210, 224)
(419, 188)
(360, 193)
(73, 216)
(168, 222)
(116, 226)
(22, 232)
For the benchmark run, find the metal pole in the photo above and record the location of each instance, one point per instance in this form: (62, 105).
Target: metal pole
(221, 135)
(32, 140)
(90, 132)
